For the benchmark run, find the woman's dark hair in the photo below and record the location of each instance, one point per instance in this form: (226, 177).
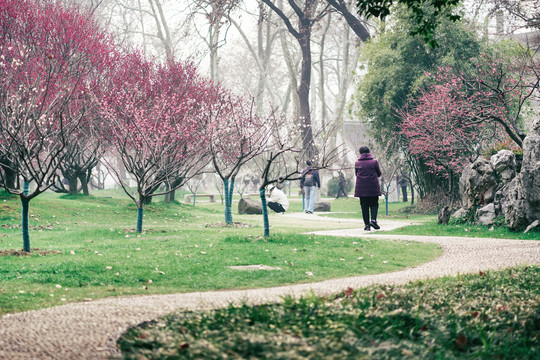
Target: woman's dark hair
(364, 150)
(308, 163)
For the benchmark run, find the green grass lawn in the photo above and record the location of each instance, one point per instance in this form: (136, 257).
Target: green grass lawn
(349, 208)
(465, 230)
(493, 315)
(86, 248)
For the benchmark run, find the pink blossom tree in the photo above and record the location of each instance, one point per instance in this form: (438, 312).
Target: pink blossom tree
(451, 122)
(441, 128)
(155, 130)
(237, 136)
(50, 58)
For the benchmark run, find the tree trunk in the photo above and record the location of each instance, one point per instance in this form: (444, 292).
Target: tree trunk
(167, 198)
(84, 178)
(322, 77)
(139, 219)
(266, 222)
(25, 204)
(292, 76)
(412, 191)
(303, 91)
(72, 180)
(10, 176)
(228, 189)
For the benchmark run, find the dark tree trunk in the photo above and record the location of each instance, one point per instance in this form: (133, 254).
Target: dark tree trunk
(303, 89)
(73, 184)
(10, 176)
(355, 24)
(167, 199)
(266, 222)
(172, 195)
(84, 178)
(25, 204)
(412, 194)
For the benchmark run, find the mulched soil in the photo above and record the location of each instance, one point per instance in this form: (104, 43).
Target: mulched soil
(233, 225)
(20, 252)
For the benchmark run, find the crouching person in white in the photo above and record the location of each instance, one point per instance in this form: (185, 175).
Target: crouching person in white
(278, 200)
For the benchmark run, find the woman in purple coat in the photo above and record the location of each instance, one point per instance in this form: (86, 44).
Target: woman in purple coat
(367, 187)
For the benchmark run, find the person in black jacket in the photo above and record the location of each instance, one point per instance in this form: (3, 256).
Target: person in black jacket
(309, 183)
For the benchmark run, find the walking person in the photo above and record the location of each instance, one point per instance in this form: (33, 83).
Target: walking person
(342, 183)
(367, 187)
(309, 183)
(403, 182)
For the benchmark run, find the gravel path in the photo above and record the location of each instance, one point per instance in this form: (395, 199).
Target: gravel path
(89, 330)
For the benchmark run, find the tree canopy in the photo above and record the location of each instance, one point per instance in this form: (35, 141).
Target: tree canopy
(427, 14)
(396, 70)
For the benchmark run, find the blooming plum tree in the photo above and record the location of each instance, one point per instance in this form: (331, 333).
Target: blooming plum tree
(452, 121)
(50, 58)
(155, 130)
(441, 129)
(237, 136)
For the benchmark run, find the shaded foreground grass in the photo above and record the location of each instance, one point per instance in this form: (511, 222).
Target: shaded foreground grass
(493, 315)
(86, 249)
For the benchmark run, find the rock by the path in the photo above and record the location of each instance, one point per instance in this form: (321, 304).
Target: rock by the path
(486, 215)
(444, 215)
(249, 206)
(322, 206)
(534, 225)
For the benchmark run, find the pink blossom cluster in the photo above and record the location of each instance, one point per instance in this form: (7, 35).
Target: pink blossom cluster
(455, 119)
(51, 59)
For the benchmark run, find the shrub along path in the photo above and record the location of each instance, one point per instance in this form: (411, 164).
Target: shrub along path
(89, 330)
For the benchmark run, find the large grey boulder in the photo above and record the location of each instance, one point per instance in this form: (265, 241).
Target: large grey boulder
(530, 171)
(515, 207)
(459, 214)
(486, 215)
(505, 165)
(322, 206)
(522, 205)
(534, 225)
(477, 183)
(444, 215)
(249, 206)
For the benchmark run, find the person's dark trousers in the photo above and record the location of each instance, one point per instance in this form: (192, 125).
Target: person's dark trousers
(276, 207)
(369, 203)
(341, 191)
(404, 191)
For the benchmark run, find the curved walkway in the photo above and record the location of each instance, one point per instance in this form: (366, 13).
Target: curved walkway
(89, 330)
